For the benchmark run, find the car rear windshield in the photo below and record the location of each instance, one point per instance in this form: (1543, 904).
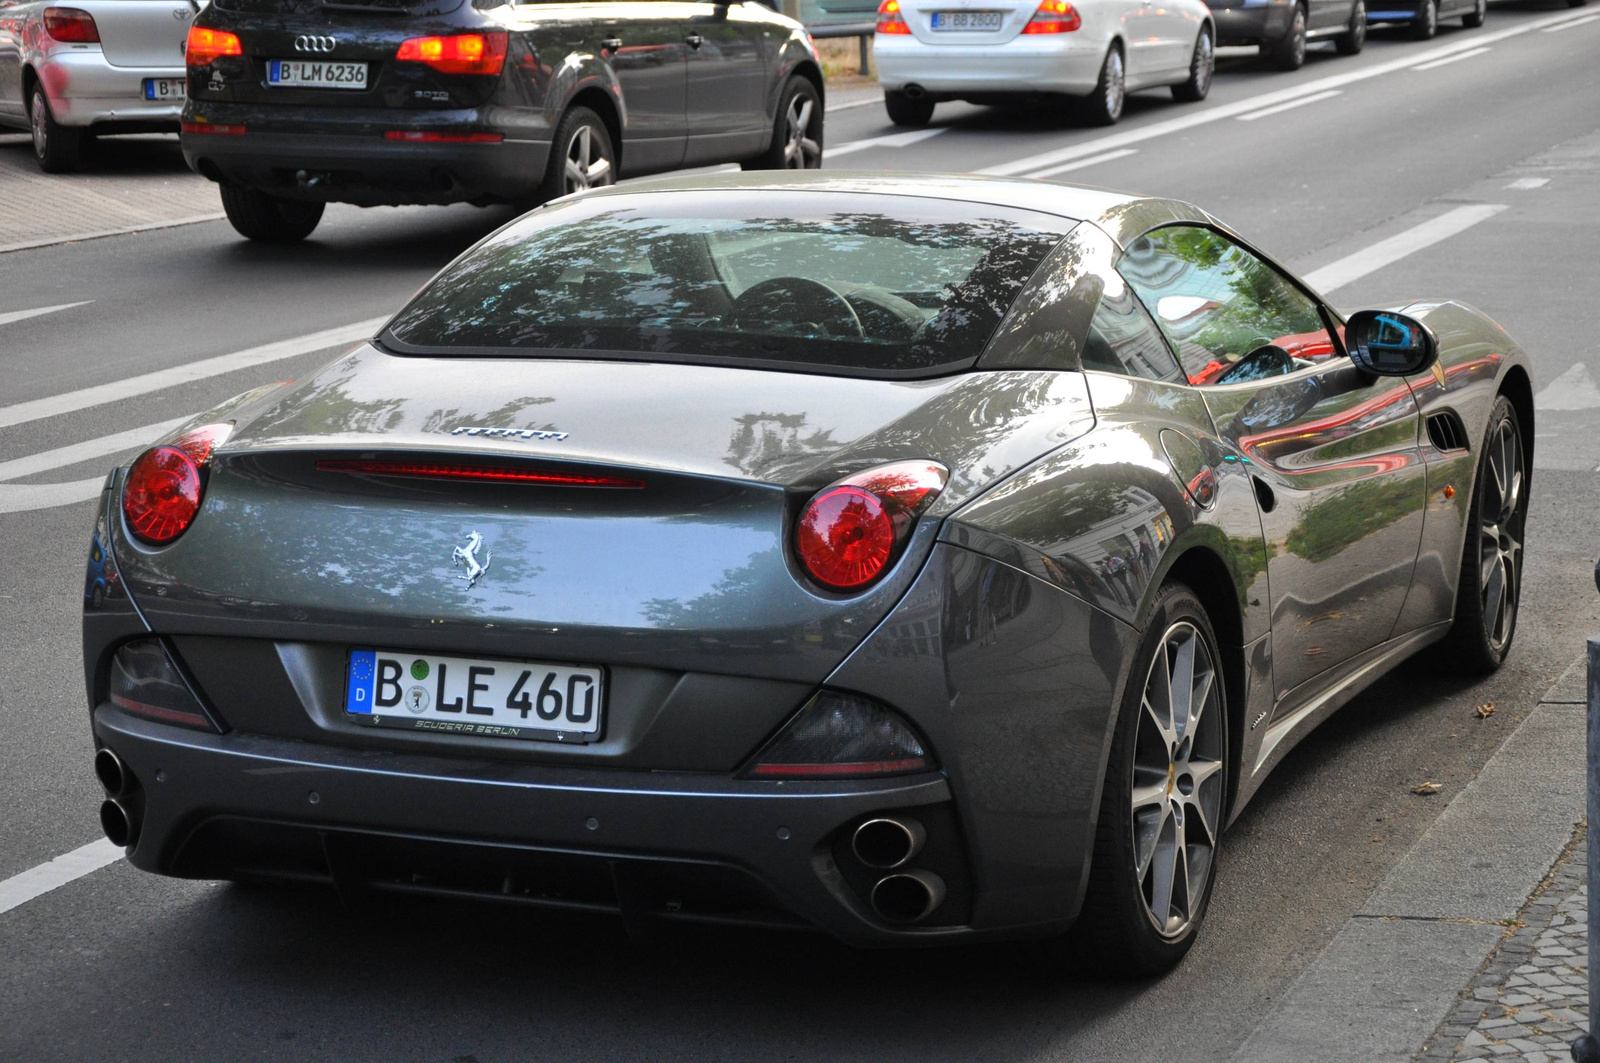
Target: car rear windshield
(865, 285)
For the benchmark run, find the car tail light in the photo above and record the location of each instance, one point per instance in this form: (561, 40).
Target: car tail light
(839, 735)
(217, 128)
(164, 486)
(1054, 16)
(462, 53)
(424, 136)
(850, 531)
(206, 45)
(146, 682)
(890, 20)
(70, 25)
(440, 470)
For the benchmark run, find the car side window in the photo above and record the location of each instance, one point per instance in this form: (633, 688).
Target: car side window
(1122, 340)
(1230, 316)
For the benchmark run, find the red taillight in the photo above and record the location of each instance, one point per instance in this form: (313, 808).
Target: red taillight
(463, 53)
(162, 493)
(1054, 16)
(849, 532)
(205, 45)
(424, 136)
(890, 20)
(429, 470)
(71, 26)
(218, 128)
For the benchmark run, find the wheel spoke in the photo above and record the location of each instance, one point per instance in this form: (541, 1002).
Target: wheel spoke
(1182, 685)
(1164, 870)
(1146, 836)
(1150, 794)
(1494, 594)
(599, 172)
(800, 116)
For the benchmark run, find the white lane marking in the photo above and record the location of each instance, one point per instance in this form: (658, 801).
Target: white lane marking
(1573, 390)
(1229, 110)
(22, 315)
(1386, 252)
(24, 498)
(101, 233)
(890, 140)
(850, 105)
(24, 887)
(1450, 59)
(1093, 160)
(117, 390)
(1584, 21)
(1528, 184)
(1291, 105)
(72, 454)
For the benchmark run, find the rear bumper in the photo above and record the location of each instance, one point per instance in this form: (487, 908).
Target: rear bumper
(1018, 66)
(85, 90)
(205, 799)
(1253, 24)
(354, 164)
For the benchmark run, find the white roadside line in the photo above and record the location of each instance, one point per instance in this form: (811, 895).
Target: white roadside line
(852, 104)
(24, 887)
(1207, 115)
(22, 315)
(1386, 252)
(98, 234)
(1291, 105)
(1584, 21)
(1574, 389)
(74, 453)
(117, 390)
(889, 140)
(1093, 160)
(1528, 184)
(1451, 59)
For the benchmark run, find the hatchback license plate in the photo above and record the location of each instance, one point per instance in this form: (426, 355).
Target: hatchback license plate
(967, 21)
(164, 88)
(475, 696)
(316, 73)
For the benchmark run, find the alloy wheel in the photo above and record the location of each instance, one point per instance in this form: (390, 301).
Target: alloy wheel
(1500, 524)
(39, 122)
(1177, 779)
(587, 166)
(1205, 63)
(800, 148)
(1115, 84)
(1358, 23)
(1298, 34)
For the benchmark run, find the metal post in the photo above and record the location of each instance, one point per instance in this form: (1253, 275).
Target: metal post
(866, 62)
(1587, 1047)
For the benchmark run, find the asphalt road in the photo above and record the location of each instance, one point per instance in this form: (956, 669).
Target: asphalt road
(122, 965)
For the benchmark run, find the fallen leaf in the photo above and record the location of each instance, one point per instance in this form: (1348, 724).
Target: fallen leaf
(1426, 789)
(1485, 710)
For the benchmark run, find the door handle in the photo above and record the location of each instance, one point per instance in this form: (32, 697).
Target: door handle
(694, 40)
(611, 44)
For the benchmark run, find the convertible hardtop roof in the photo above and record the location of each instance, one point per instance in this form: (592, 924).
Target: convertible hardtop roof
(1121, 214)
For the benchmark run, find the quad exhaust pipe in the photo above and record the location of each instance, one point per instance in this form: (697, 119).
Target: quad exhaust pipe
(119, 822)
(907, 896)
(888, 841)
(109, 770)
(118, 816)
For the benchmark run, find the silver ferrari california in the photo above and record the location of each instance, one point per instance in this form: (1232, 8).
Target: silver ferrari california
(922, 559)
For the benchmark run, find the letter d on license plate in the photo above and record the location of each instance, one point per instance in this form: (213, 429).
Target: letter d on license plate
(491, 697)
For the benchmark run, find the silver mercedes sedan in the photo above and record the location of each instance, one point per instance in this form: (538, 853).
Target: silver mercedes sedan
(69, 74)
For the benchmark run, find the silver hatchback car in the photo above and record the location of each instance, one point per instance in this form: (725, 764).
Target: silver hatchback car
(69, 73)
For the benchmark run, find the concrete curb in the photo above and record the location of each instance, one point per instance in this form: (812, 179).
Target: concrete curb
(1392, 973)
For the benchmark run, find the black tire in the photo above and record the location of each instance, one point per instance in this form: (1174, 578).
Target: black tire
(268, 219)
(1104, 105)
(1290, 52)
(582, 156)
(1202, 64)
(1117, 930)
(796, 131)
(1479, 642)
(1474, 18)
(58, 148)
(1426, 24)
(903, 110)
(1353, 39)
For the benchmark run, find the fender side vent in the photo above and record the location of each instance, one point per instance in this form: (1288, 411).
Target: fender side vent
(1446, 432)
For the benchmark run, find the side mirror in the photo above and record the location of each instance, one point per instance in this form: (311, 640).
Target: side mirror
(1386, 343)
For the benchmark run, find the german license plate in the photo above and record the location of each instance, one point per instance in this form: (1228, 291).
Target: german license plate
(967, 21)
(164, 88)
(475, 696)
(316, 73)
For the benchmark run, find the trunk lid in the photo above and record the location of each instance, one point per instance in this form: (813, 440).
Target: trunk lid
(141, 33)
(1014, 14)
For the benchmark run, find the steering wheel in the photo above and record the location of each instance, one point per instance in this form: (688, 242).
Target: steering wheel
(785, 304)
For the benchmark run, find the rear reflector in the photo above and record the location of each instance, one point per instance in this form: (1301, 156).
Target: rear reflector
(214, 127)
(839, 735)
(462, 53)
(71, 25)
(145, 682)
(421, 136)
(429, 470)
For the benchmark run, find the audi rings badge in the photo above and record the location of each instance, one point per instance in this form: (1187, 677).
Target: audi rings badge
(311, 43)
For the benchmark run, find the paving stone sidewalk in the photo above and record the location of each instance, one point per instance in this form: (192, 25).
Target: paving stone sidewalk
(1531, 999)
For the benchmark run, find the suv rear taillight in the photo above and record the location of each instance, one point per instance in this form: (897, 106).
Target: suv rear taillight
(70, 25)
(462, 53)
(890, 20)
(1054, 16)
(164, 487)
(205, 45)
(850, 531)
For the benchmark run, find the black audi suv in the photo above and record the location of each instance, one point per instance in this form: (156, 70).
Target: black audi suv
(294, 104)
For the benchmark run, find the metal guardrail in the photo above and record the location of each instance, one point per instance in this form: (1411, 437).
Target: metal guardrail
(862, 30)
(1587, 1048)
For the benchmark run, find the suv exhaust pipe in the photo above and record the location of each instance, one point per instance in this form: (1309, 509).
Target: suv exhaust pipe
(888, 841)
(907, 896)
(113, 776)
(119, 823)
